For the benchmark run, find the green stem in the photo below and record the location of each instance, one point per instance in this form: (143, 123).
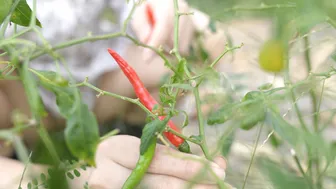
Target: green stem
(24, 170)
(263, 7)
(311, 92)
(160, 53)
(226, 51)
(253, 155)
(45, 137)
(176, 31)
(288, 84)
(102, 92)
(297, 161)
(75, 42)
(203, 144)
(313, 97)
(20, 148)
(109, 134)
(182, 136)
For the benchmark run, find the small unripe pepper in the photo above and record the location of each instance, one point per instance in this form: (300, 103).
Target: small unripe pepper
(148, 101)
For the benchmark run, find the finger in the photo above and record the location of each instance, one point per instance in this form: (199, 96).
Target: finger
(108, 175)
(111, 175)
(152, 181)
(220, 160)
(166, 161)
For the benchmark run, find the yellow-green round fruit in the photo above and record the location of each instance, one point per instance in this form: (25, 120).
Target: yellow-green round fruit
(271, 57)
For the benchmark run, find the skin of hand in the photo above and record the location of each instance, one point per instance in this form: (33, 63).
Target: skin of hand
(162, 33)
(170, 169)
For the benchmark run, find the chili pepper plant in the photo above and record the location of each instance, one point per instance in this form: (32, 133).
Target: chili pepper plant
(301, 156)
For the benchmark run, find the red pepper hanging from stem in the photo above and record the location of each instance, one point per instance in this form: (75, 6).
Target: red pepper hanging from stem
(148, 101)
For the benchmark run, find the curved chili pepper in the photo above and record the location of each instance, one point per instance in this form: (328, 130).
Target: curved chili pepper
(148, 101)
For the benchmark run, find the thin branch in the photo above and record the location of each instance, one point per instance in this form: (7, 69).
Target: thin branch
(253, 155)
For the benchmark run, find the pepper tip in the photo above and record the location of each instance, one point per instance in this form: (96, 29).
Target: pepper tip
(184, 147)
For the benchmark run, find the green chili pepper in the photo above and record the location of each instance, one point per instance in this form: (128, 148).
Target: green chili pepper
(141, 167)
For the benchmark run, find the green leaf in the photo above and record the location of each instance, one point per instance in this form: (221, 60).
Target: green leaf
(65, 100)
(280, 177)
(221, 115)
(285, 130)
(149, 133)
(43, 177)
(4, 9)
(253, 113)
(57, 178)
(179, 86)
(252, 117)
(333, 55)
(297, 137)
(70, 175)
(266, 86)
(228, 144)
(41, 154)
(51, 77)
(65, 97)
(186, 119)
(212, 26)
(31, 89)
(77, 173)
(22, 14)
(275, 140)
(35, 182)
(81, 133)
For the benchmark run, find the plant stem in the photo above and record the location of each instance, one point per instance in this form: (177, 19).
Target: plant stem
(297, 161)
(203, 144)
(176, 31)
(196, 91)
(253, 155)
(109, 134)
(24, 170)
(75, 42)
(182, 136)
(45, 137)
(226, 51)
(311, 92)
(288, 84)
(160, 53)
(102, 92)
(313, 97)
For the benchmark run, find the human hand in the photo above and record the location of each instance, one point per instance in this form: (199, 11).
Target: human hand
(118, 155)
(153, 24)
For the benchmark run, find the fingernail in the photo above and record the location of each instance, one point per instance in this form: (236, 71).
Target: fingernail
(221, 161)
(219, 172)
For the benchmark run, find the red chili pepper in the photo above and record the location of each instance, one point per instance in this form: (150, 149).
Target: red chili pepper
(148, 101)
(150, 15)
(151, 19)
